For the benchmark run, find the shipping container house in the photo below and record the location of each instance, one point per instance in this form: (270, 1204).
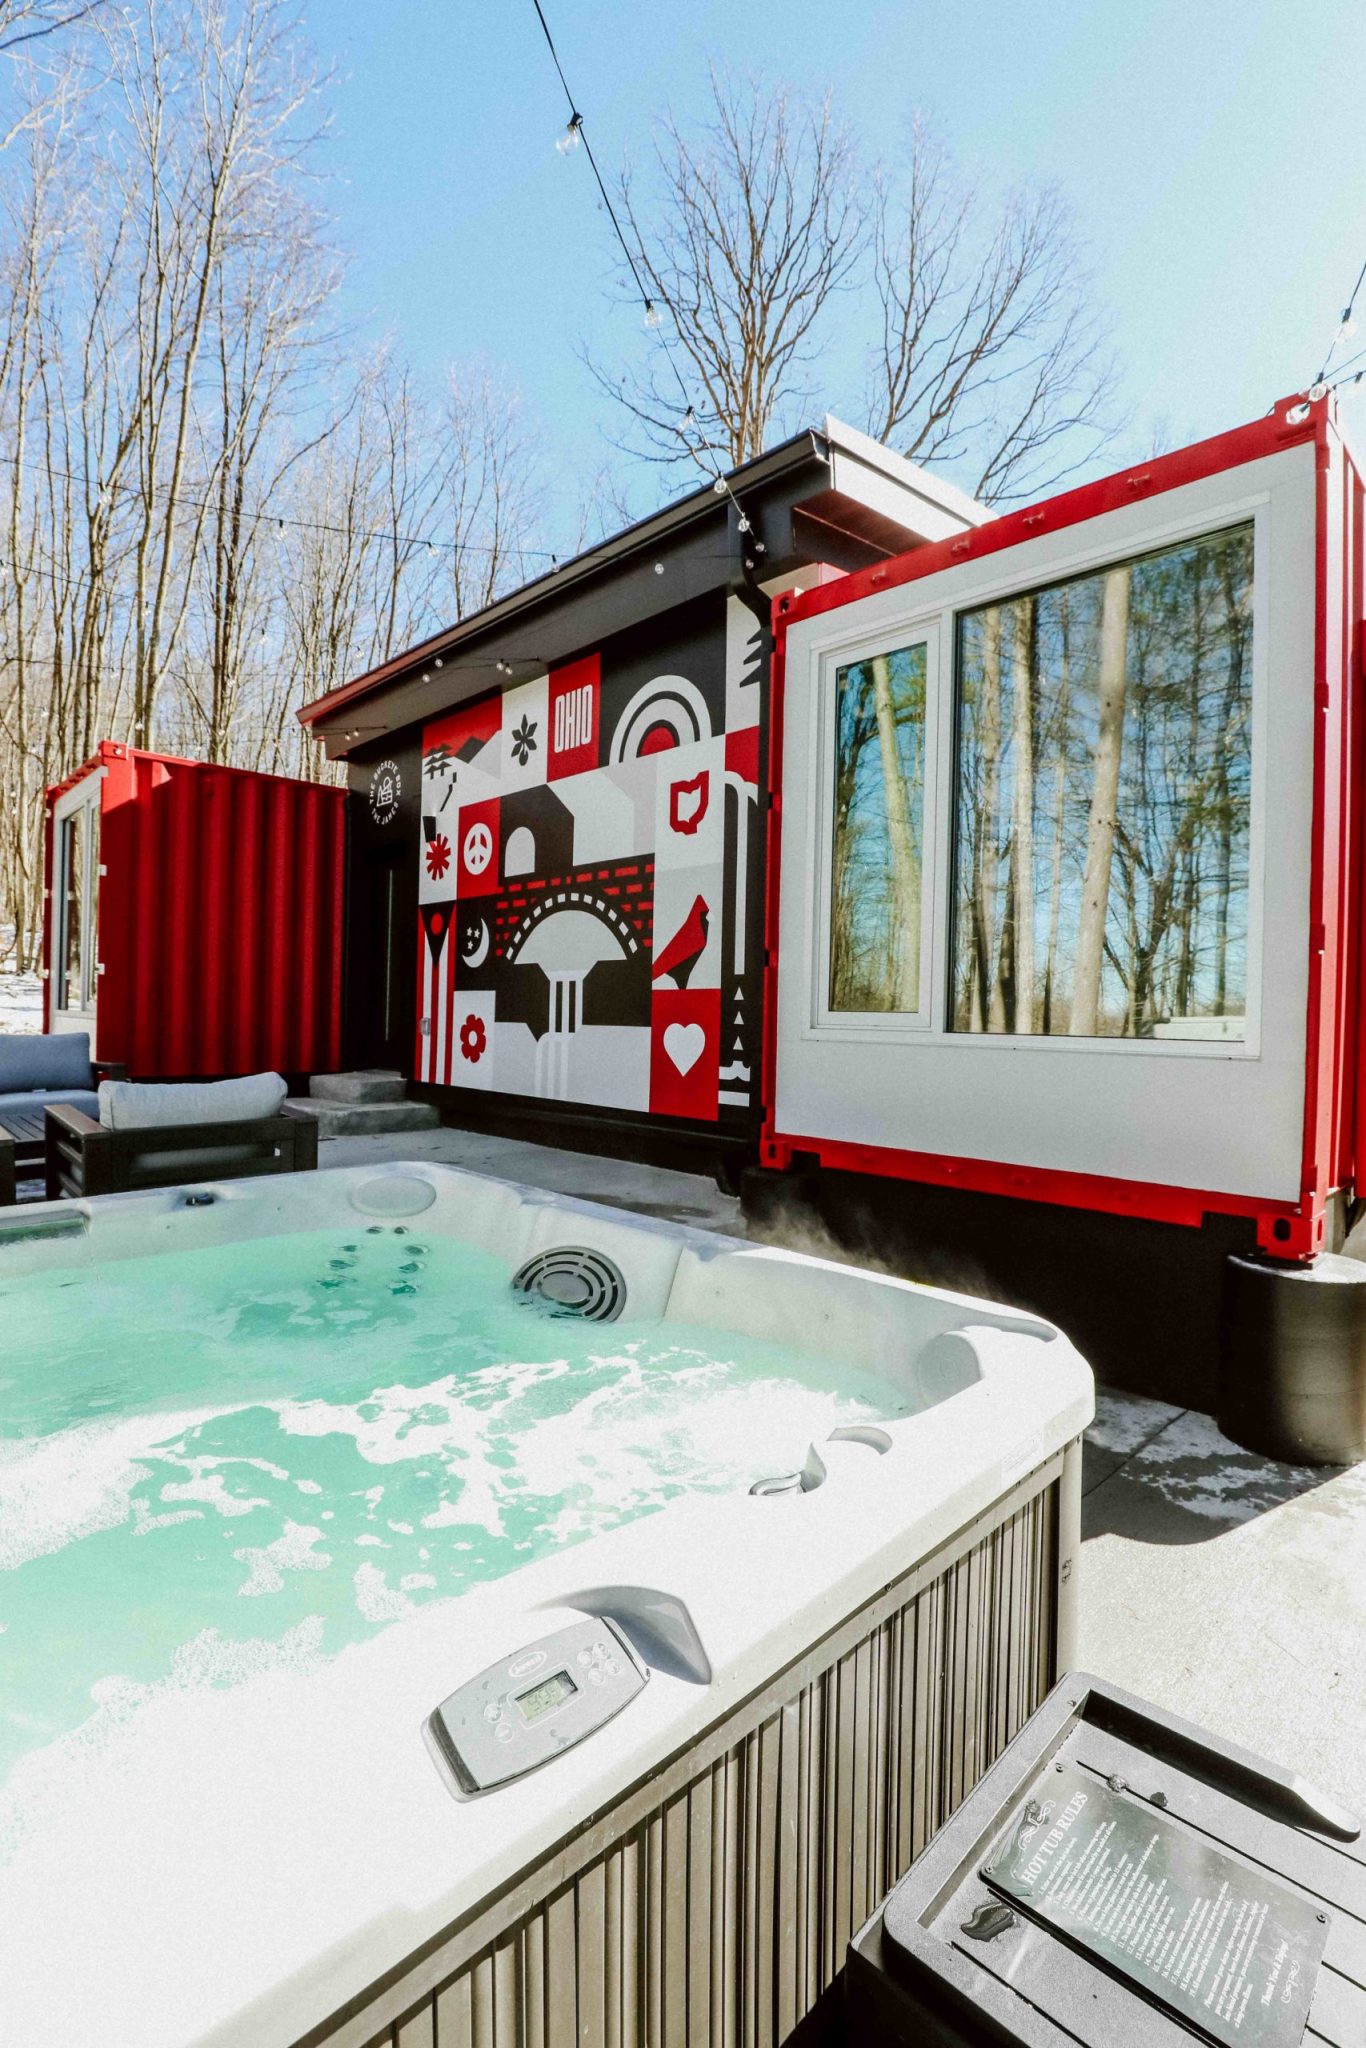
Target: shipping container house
(998, 891)
(1064, 945)
(193, 916)
(556, 873)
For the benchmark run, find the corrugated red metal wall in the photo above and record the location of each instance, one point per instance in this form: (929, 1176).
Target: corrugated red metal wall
(220, 909)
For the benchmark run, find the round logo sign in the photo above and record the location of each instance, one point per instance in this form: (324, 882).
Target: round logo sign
(386, 787)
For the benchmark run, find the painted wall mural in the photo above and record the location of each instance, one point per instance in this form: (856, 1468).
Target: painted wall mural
(590, 882)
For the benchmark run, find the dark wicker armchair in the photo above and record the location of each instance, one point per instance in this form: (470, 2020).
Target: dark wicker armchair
(84, 1158)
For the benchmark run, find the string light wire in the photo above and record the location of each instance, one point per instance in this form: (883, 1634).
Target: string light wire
(265, 516)
(720, 481)
(1343, 331)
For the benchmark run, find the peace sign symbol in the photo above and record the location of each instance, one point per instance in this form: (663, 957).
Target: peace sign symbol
(478, 850)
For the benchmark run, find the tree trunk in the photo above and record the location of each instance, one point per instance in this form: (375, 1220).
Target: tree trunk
(1022, 835)
(905, 875)
(1062, 721)
(986, 880)
(1100, 824)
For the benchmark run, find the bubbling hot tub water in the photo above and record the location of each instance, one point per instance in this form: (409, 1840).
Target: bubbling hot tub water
(274, 1448)
(383, 1652)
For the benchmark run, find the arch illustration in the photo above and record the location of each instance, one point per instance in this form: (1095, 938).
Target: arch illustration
(667, 705)
(519, 855)
(583, 905)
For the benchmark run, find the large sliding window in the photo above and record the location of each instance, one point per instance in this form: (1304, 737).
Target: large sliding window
(1103, 798)
(877, 850)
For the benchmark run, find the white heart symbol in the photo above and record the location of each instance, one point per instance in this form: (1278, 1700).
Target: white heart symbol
(684, 1043)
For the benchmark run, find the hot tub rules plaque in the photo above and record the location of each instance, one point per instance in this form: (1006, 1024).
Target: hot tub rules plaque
(1226, 1949)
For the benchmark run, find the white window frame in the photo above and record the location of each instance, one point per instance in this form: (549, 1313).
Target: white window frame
(977, 585)
(825, 1021)
(81, 803)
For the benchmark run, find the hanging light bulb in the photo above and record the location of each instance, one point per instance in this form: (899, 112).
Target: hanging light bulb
(689, 420)
(431, 547)
(280, 527)
(652, 315)
(570, 139)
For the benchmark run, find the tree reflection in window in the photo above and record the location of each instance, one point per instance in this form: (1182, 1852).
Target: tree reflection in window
(73, 903)
(878, 835)
(1103, 801)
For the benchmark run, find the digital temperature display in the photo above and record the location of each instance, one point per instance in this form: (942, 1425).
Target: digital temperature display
(543, 1699)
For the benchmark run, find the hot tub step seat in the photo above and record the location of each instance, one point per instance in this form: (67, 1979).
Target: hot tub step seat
(365, 1119)
(367, 1084)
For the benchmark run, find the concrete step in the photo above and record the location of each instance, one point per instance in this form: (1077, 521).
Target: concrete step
(367, 1084)
(365, 1119)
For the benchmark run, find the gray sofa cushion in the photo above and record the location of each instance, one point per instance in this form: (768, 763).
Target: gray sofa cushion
(144, 1105)
(38, 1098)
(52, 1059)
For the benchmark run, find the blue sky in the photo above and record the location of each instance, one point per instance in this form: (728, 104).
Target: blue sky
(1207, 147)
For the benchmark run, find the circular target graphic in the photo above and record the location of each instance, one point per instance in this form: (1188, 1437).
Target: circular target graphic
(576, 1281)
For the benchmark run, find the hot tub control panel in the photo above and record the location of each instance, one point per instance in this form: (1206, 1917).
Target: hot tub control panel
(542, 1699)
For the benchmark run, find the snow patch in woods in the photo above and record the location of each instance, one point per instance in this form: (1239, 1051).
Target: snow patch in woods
(21, 995)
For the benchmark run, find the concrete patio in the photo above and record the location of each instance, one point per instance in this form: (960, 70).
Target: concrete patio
(1219, 1584)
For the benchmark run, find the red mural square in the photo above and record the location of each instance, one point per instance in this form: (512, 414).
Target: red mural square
(742, 753)
(685, 1033)
(465, 731)
(574, 708)
(477, 848)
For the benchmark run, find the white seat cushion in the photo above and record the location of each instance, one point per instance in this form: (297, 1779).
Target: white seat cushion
(145, 1105)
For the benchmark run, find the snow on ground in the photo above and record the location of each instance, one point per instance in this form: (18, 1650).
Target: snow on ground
(21, 995)
(21, 1001)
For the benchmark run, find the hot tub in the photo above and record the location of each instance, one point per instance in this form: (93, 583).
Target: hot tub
(437, 1612)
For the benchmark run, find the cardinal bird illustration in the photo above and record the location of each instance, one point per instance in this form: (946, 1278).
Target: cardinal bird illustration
(686, 947)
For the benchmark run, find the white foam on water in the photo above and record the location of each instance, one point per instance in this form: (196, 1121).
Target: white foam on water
(55, 1490)
(209, 1485)
(291, 1552)
(377, 1599)
(482, 1455)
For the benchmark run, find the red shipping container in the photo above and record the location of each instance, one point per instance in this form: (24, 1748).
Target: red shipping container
(193, 916)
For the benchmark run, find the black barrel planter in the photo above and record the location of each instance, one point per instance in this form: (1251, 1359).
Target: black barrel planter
(1292, 1378)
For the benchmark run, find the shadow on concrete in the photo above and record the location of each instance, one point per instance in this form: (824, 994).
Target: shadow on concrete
(1158, 1474)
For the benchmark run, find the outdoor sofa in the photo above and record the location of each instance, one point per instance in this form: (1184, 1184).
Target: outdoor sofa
(39, 1069)
(151, 1136)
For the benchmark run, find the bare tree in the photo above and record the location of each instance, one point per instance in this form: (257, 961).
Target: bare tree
(23, 22)
(205, 516)
(989, 358)
(490, 501)
(751, 227)
(976, 318)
